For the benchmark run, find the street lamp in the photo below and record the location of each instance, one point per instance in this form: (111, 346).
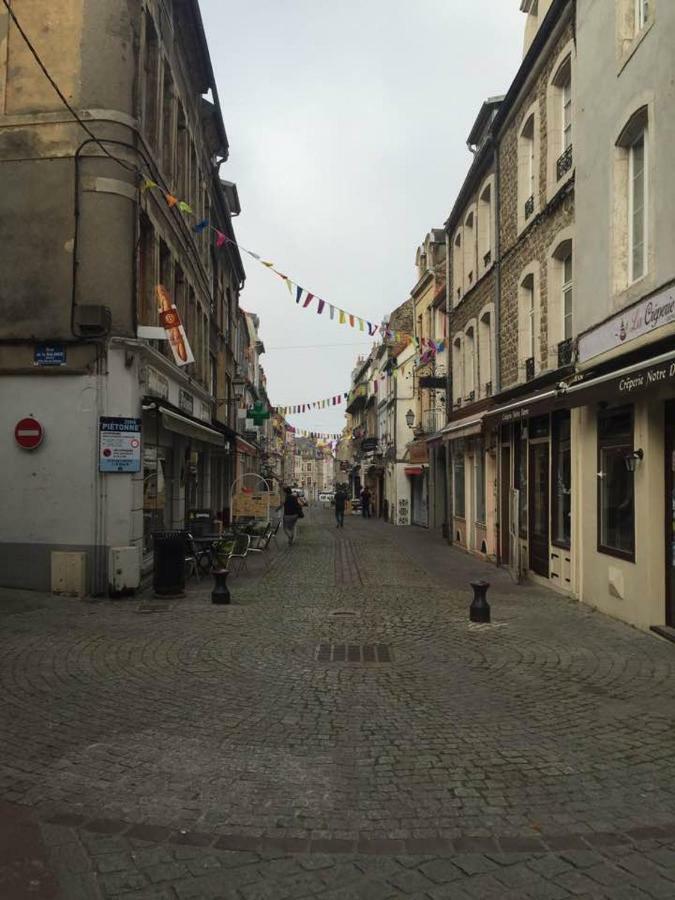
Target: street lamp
(410, 418)
(633, 458)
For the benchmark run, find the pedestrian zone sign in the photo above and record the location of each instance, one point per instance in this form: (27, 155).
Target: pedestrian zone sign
(119, 445)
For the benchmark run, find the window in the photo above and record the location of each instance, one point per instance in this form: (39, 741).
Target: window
(485, 354)
(147, 305)
(485, 229)
(167, 125)
(561, 493)
(480, 484)
(528, 325)
(458, 483)
(469, 252)
(457, 370)
(616, 490)
(469, 363)
(151, 72)
(631, 206)
(641, 14)
(637, 206)
(527, 169)
(566, 97)
(457, 268)
(567, 290)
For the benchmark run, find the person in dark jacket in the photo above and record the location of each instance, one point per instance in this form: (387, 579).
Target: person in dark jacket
(292, 512)
(340, 504)
(365, 503)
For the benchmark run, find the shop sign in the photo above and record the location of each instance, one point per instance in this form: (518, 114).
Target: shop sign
(628, 325)
(186, 401)
(49, 355)
(249, 505)
(419, 452)
(156, 385)
(119, 445)
(653, 376)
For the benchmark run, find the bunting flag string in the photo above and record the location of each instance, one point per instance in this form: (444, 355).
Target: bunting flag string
(316, 435)
(297, 408)
(221, 239)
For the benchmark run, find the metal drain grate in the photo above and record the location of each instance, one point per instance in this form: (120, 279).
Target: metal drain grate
(353, 653)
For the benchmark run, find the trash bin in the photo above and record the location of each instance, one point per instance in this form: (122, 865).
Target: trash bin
(169, 562)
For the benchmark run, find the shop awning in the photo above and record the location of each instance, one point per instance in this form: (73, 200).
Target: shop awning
(172, 421)
(649, 375)
(244, 447)
(463, 428)
(412, 471)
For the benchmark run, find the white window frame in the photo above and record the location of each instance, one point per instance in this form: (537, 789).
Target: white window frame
(486, 229)
(567, 291)
(642, 137)
(641, 15)
(457, 266)
(528, 165)
(469, 249)
(469, 356)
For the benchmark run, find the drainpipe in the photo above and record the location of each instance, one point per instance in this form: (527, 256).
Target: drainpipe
(448, 395)
(497, 368)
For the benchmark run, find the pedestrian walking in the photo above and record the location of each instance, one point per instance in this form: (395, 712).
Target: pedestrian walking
(292, 512)
(340, 504)
(365, 503)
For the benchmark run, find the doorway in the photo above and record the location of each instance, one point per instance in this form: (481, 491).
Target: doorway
(504, 527)
(670, 513)
(539, 508)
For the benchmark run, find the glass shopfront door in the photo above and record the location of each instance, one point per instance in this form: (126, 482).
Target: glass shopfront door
(539, 508)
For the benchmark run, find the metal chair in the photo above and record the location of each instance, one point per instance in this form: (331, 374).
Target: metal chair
(275, 532)
(260, 542)
(191, 558)
(240, 549)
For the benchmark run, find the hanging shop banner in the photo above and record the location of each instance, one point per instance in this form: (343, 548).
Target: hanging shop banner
(119, 445)
(170, 321)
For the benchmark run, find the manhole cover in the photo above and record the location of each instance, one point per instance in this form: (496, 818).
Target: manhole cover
(354, 654)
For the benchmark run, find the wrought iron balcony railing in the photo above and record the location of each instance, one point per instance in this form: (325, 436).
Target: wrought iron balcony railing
(529, 206)
(566, 352)
(529, 369)
(565, 162)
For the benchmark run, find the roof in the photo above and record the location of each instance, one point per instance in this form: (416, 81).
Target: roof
(483, 119)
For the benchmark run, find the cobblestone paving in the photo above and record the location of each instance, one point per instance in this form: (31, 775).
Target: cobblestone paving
(204, 751)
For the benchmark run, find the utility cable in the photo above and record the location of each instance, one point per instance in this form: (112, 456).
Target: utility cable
(36, 56)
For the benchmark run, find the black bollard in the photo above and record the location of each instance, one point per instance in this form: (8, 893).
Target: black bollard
(479, 611)
(220, 593)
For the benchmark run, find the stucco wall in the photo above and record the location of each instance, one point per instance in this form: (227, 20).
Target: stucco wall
(613, 87)
(633, 592)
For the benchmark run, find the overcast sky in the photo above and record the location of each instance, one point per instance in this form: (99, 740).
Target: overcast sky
(347, 124)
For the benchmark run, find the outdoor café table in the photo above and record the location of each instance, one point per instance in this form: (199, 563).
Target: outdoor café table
(204, 546)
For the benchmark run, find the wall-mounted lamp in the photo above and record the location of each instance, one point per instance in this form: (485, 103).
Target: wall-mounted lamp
(410, 418)
(631, 459)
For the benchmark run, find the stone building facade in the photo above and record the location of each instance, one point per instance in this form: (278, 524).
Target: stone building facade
(82, 347)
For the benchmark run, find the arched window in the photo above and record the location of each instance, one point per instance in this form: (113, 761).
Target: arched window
(631, 207)
(469, 363)
(528, 325)
(469, 251)
(485, 228)
(528, 161)
(457, 371)
(485, 353)
(560, 123)
(457, 268)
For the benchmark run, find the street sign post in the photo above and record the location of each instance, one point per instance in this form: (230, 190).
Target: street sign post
(29, 433)
(119, 444)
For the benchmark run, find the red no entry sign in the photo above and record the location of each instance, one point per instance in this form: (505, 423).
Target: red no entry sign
(29, 433)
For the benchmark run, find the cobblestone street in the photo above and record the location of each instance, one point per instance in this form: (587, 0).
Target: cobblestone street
(340, 731)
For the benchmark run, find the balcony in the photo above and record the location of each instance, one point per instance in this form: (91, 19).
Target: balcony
(529, 369)
(470, 397)
(529, 207)
(488, 389)
(487, 258)
(565, 353)
(565, 163)
(432, 421)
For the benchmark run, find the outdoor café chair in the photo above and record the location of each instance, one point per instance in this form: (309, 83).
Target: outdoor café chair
(239, 552)
(260, 542)
(192, 560)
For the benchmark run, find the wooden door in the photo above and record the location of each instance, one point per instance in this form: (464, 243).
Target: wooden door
(539, 508)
